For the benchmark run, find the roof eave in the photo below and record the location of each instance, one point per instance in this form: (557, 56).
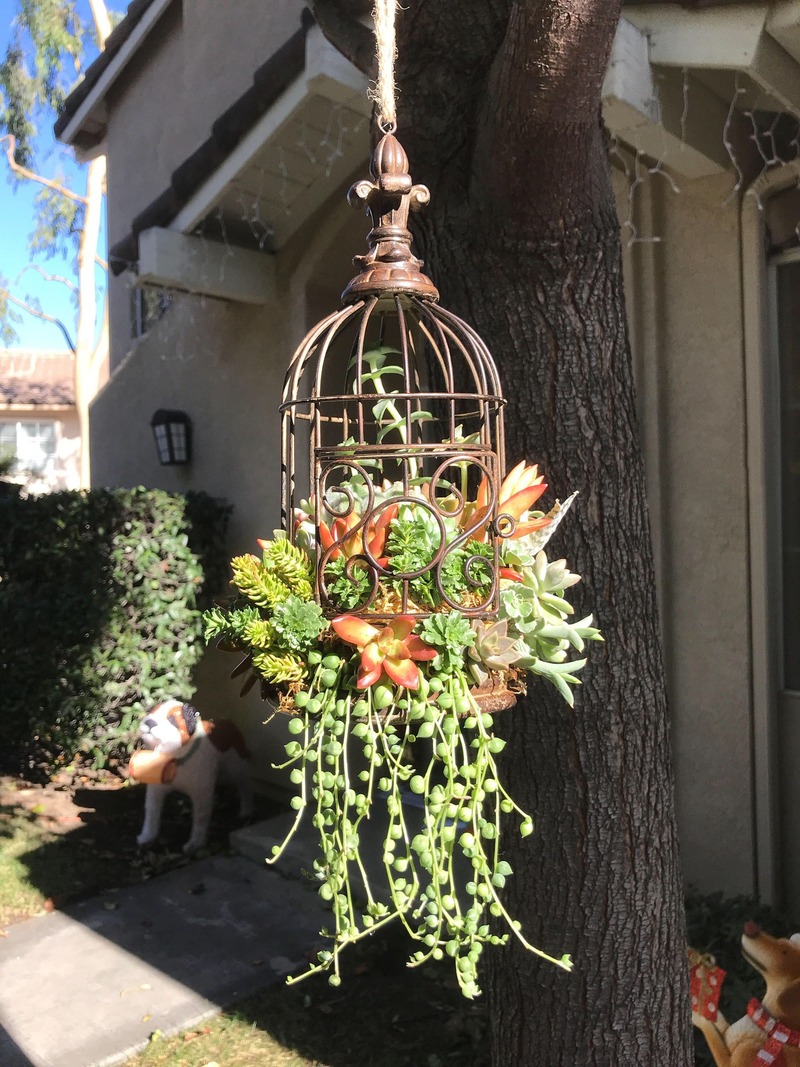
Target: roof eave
(82, 123)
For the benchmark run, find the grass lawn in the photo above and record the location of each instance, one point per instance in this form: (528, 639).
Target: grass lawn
(54, 846)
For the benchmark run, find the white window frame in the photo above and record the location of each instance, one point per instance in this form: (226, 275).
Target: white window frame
(19, 425)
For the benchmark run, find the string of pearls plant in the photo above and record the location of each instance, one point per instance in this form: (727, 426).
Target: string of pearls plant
(387, 724)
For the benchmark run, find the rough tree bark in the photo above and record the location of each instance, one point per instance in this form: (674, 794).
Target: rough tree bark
(499, 112)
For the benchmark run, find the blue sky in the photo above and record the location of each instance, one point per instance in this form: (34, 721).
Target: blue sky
(17, 223)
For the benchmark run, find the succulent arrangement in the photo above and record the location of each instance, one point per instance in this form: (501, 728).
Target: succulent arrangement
(391, 710)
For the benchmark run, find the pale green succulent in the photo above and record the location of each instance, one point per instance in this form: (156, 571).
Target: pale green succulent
(494, 650)
(538, 619)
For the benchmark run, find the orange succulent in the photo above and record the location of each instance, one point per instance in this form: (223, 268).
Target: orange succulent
(511, 574)
(391, 649)
(520, 490)
(377, 530)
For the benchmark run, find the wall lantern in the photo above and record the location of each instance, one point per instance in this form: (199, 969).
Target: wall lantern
(173, 433)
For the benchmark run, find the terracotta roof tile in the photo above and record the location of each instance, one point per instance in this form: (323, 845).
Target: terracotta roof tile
(42, 394)
(40, 377)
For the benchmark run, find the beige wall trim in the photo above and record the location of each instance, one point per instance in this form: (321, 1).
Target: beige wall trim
(652, 118)
(331, 75)
(724, 37)
(760, 400)
(777, 73)
(783, 23)
(197, 265)
(203, 201)
(737, 38)
(93, 107)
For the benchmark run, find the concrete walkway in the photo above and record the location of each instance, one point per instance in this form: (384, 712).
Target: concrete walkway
(87, 987)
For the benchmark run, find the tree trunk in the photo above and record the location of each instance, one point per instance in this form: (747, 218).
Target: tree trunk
(91, 353)
(500, 115)
(87, 364)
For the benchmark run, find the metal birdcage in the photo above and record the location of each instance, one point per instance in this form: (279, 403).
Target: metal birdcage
(399, 405)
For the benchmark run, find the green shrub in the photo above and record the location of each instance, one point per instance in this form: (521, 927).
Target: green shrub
(99, 615)
(714, 924)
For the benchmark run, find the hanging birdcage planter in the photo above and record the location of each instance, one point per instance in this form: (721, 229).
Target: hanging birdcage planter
(403, 414)
(403, 601)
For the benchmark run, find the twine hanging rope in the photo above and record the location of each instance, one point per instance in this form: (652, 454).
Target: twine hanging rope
(383, 94)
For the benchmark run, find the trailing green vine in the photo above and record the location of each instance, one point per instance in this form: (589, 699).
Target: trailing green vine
(385, 709)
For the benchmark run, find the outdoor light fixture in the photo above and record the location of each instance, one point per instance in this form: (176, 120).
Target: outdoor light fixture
(173, 433)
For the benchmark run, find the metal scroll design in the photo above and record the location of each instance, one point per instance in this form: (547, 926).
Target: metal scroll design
(358, 518)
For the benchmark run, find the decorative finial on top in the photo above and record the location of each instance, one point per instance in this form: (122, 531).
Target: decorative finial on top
(389, 266)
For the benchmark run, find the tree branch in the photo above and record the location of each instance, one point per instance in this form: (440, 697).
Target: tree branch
(101, 262)
(47, 277)
(339, 24)
(102, 22)
(39, 314)
(30, 175)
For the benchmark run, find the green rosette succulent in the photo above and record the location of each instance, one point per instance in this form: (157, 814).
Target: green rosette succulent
(493, 651)
(538, 619)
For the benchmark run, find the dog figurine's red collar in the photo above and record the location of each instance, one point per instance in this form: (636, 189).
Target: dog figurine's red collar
(779, 1036)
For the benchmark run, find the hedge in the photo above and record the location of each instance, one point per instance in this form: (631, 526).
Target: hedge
(101, 594)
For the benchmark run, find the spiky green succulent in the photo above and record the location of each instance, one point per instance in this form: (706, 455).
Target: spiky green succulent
(257, 582)
(279, 668)
(290, 565)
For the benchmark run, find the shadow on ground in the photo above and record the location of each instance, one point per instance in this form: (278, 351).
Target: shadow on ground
(84, 839)
(384, 1014)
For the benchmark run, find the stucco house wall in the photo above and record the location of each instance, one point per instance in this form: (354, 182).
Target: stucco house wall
(685, 309)
(161, 109)
(224, 365)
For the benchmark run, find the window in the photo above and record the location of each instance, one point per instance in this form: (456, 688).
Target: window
(148, 304)
(32, 445)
